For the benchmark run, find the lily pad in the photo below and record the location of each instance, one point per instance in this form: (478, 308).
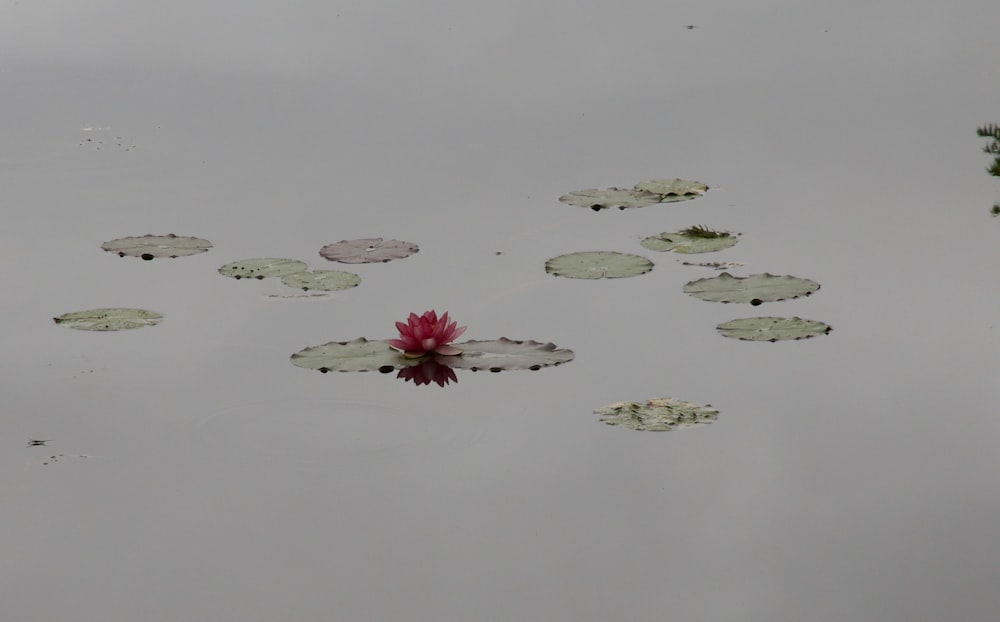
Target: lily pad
(673, 189)
(368, 250)
(262, 268)
(325, 280)
(657, 415)
(598, 265)
(715, 265)
(109, 319)
(357, 355)
(690, 241)
(506, 354)
(773, 328)
(622, 198)
(755, 289)
(151, 246)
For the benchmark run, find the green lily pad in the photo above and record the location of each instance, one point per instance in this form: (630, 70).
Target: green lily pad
(755, 289)
(325, 280)
(657, 415)
(262, 268)
(357, 355)
(598, 265)
(151, 246)
(109, 319)
(368, 250)
(715, 265)
(598, 199)
(506, 354)
(772, 328)
(673, 189)
(690, 241)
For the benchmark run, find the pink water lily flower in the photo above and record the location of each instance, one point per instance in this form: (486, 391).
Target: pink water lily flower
(426, 333)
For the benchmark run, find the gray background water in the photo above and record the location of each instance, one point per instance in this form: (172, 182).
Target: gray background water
(200, 476)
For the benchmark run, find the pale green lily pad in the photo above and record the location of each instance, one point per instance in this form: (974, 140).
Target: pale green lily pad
(325, 280)
(598, 199)
(690, 241)
(673, 189)
(755, 289)
(657, 415)
(151, 246)
(715, 265)
(109, 319)
(262, 268)
(368, 250)
(598, 265)
(505, 354)
(773, 328)
(357, 355)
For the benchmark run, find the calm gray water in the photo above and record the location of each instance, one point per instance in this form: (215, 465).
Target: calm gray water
(200, 476)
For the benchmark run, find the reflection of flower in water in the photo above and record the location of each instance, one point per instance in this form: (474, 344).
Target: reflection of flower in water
(426, 333)
(428, 371)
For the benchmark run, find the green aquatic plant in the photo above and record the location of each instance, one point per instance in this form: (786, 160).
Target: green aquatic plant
(642, 194)
(991, 130)
(772, 328)
(703, 232)
(495, 355)
(697, 239)
(322, 280)
(151, 246)
(109, 319)
(262, 268)
(598, 265)
(755, 289)
(659, 414)
(368, 250)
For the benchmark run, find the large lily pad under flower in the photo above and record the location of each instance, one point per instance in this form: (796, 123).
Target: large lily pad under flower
(506, 354)
(598, 265)
(357, 355)
(323, 280)
(364, 355)
(368, 250)
(262, 268)
(754, 289)
(772, 328)
(109, 319)
(657, 415)
(151, 246)
(691, 240)
(598, 199)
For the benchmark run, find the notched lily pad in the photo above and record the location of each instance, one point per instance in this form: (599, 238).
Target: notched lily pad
(657, 415)
(368, 250)
(598, 199)
(598, 265)
(109, 319)
(773, 328)
(324, 280)
(673, 189)
(506, 354)
(262, 268)
(358, 355)
(755, 289)
(151, 246)
(695, 239)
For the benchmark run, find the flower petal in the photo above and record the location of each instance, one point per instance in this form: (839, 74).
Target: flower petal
(447, 350)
